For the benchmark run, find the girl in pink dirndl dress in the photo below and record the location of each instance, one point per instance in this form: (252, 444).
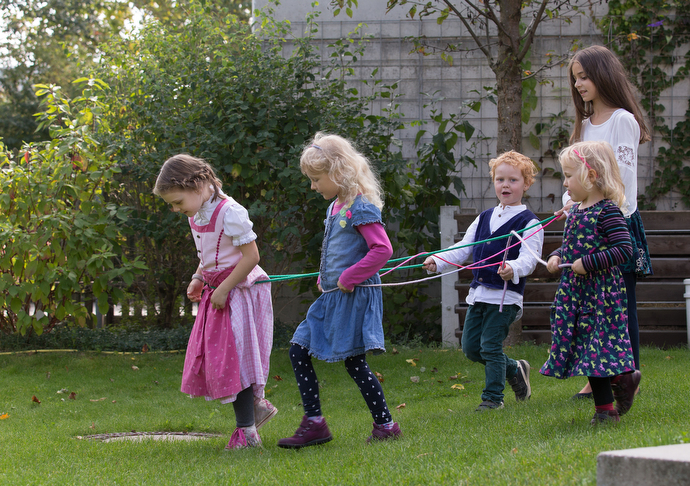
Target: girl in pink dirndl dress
(230, 344)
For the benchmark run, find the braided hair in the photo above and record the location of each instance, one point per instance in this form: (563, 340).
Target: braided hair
(186, 173)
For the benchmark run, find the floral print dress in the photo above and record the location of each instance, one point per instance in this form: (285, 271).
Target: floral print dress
(589, 325)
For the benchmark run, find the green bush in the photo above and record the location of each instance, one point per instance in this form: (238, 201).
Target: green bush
(85, 339)
(59, 231)
(213, 89)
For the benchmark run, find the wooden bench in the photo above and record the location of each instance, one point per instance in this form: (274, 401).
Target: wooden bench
(660, 297)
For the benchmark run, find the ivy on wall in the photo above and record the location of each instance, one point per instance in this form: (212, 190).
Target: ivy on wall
(652, 38)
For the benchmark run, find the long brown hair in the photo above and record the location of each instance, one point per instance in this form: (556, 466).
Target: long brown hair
(606, 71)
(186, 173)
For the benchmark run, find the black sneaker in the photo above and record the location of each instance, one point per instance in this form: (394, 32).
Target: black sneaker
(487, 405)
(610, 416)
(520, 382)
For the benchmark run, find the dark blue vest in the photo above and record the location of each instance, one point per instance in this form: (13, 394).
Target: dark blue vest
(488, 276)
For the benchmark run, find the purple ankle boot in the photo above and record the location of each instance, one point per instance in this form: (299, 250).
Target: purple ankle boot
(381, 432)
(308, 433)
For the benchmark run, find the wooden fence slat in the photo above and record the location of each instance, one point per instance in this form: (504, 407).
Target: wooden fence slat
(538, 317)
(646, 292)
(660, 297)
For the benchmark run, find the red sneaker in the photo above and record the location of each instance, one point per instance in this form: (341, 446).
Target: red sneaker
(243, 438)
(307, 434)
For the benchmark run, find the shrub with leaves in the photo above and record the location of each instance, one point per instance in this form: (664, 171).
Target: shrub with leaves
(213, 89)
(59, 232)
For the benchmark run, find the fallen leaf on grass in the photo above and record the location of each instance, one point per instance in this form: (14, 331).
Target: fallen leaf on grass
(395, 351)
(97, 399)
(379, 376)
(425, 454)
(114, 401)
(145, 348)
(412, 361)
(277, 378)
(4, 416)
(454, 377)
(668, 357)
(458, 386)
(514, 450)
(402, 405)
(48, 375)
(92, 426)
(135, 368)
(434, 370)
(63, 390)
(414, 379)
(34, 399)
(73, 396)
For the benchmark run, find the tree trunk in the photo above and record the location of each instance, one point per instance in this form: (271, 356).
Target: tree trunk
(509, 99)
(509, 79)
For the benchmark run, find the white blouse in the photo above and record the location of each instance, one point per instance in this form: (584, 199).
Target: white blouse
(236, 223)
(622, 132)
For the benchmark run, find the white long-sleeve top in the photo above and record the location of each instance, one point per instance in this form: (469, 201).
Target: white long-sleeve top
(622, 132)
(523, 266)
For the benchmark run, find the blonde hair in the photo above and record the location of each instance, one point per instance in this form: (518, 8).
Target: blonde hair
(515, 159)
(600, 157)
(186, 173)
(345, 166)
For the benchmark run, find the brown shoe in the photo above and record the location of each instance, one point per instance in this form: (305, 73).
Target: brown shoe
(624, 387)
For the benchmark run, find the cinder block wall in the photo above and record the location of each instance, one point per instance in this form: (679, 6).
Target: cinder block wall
(389, 51)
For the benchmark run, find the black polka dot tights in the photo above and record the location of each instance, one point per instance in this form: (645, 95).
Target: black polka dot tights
(356, 366)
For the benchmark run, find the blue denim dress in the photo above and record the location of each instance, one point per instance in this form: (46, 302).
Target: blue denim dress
(340, 325)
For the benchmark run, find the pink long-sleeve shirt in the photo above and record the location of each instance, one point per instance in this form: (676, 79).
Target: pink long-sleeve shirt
(380, 250)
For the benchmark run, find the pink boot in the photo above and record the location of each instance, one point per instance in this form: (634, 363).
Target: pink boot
(263, 412)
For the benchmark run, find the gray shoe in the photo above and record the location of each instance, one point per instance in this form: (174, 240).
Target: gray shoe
(520, 382)
(487, 405)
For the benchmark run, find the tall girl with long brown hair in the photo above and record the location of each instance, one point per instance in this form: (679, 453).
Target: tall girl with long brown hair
(606, 109)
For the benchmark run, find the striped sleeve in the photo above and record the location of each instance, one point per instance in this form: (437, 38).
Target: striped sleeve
(613, 228)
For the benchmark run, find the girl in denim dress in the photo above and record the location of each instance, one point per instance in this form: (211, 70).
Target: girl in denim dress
(346, 320)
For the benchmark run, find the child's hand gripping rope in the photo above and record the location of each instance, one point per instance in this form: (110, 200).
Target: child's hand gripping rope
(431, 266)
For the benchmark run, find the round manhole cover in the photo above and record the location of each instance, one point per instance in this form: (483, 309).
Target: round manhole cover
(139, 436)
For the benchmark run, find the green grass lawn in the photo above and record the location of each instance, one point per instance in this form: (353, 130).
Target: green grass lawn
(547, 440)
